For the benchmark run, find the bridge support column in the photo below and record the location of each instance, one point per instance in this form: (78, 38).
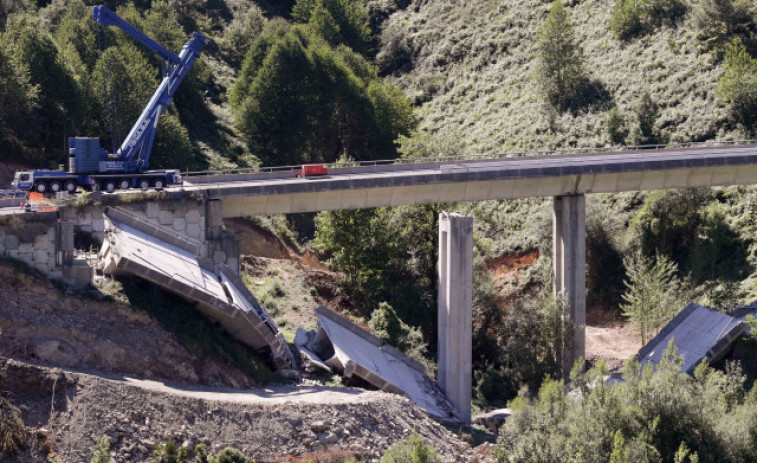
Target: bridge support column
(455, 312)
(569, 261)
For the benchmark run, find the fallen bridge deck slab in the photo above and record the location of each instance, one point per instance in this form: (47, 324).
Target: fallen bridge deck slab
(142, 248)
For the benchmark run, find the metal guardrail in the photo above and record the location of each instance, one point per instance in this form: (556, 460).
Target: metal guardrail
(472, 157)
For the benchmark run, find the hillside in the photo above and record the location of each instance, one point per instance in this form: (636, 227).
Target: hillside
(472, 74)
(320, 80)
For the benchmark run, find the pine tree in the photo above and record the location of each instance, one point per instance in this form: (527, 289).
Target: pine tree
(560, 71)
(652, 293)
(737, 87)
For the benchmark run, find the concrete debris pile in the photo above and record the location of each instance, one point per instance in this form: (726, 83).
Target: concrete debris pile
(341, 345)
(136, 246)
(699, 334)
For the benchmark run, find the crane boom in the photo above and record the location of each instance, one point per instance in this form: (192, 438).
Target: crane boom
(134, 153)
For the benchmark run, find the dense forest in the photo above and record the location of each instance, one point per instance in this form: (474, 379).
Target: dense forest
(339, 80)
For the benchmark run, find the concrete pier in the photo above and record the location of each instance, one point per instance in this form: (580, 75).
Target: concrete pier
(569, 261)
(455, 310)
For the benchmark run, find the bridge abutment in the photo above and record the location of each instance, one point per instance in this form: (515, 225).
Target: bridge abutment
(569, 263)
(455, 311)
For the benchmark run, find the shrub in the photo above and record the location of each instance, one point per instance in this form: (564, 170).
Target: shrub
(387, 326)
(652, 416)
(411, 450)
(242, 32)
(169, 453)
(616, 127)
(12, 429)
(626, 19)
(647, 112)
(201, 454)
(630, 18)
(231, 455)
(101, 451)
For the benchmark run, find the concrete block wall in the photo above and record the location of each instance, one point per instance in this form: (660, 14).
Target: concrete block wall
(184, 216)
(199, 220)
(31, 239)
(44, 240)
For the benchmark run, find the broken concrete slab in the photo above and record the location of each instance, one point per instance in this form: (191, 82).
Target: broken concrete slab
(139, 247)
(493, 420)
(699, 334)
(346, 347)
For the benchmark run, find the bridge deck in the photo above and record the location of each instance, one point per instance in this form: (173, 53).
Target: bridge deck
(454, 181)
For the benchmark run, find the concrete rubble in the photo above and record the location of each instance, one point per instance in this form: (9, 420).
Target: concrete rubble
(136, 246)
(699, 334)
(341, 345)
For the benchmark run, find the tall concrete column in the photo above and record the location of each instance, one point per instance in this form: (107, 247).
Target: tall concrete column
(455, 312)
(569, 261)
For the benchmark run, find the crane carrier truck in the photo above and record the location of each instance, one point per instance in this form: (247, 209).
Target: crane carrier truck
(92, 167)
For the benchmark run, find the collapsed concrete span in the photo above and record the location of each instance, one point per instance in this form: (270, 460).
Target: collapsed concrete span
(136, 246)
(343, 346)
(699, 334)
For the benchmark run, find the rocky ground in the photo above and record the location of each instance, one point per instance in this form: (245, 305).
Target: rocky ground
(39, 322)
(65, 411)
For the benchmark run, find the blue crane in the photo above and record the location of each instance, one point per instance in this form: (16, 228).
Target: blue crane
(92, 166)
(134, 152)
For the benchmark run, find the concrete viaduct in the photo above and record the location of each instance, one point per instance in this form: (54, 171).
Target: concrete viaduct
(566, 178)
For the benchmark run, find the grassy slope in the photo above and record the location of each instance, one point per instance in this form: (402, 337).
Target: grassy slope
(481, 58)
(473, 79)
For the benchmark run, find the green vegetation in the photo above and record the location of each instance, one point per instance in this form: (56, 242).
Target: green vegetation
(652, 298)
(322, 80)
(737, 87)
(305, 93)
(55, 84)
(412, 449)
(169, 452)
(101, 451)
(230, 455)
(631, 18)
(12, 429)
(719, 21)
(388, 327)
(652, 416)
(560, 71)
(646, 131)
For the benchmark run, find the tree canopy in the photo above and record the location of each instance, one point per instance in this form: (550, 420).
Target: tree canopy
(300, 99)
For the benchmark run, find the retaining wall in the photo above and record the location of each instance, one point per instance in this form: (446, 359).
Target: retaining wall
(45, 240)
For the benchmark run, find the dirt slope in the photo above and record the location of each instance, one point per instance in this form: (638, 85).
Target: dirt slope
(64, 411)
(39, 322)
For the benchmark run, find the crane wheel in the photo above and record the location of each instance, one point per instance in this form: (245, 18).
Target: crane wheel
(70, 186)
(109, 186)
(158, 183)
(40, 187)
(55, 186)
(144, 184)
(124, 184)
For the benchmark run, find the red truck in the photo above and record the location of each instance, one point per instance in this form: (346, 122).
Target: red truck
(309, 170)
